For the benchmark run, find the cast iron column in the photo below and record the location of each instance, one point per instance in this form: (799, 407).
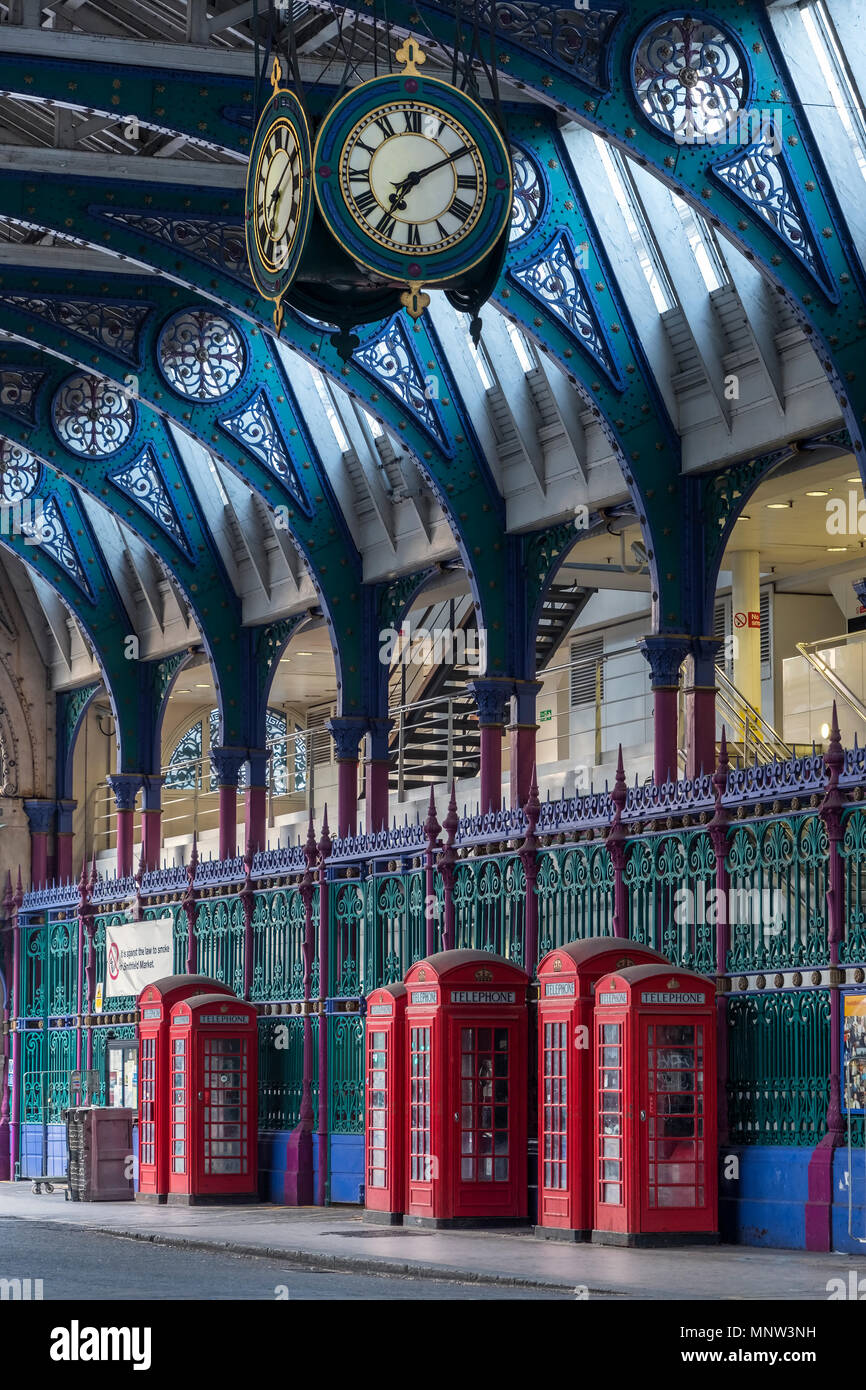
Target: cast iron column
(665, 654)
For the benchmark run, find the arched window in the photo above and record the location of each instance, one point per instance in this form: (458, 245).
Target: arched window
(184, 772)
(184, 765)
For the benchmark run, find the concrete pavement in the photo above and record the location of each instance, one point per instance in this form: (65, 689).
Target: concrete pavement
(337, 1238)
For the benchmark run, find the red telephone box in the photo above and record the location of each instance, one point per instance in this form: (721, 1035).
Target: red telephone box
(155, 1004)
(567, 978)
(213, 1043)
(385, 1133)
(466, 1027)
(655, 1131)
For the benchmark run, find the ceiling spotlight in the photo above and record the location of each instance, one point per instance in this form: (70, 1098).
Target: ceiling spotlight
(817, 494)
(744, 516)
(825, 730)
(779, 506)
(202, 686)
(835, 548)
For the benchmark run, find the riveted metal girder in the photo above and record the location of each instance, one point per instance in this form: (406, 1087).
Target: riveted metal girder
(72, 563)
(454, 466)
(117, 330)
(145, 485)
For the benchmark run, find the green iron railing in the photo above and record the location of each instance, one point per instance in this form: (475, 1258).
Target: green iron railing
(778, 1067)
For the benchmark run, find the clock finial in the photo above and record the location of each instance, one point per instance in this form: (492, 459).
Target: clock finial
(410, 53)
(414, 301)
(276, 73)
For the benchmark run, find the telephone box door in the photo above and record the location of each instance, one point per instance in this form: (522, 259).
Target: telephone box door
(672, 1122)
(486, 1114)
(222, 1136)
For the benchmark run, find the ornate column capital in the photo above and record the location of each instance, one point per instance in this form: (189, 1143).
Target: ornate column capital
(40, 815)
(347, 732)
(491, 695)
(701, 662)
(258, 759)
(125, 786)
(151, 792)
(665, 653)
(378, 733)
(65, 811)
(526, 694)
(227, 764)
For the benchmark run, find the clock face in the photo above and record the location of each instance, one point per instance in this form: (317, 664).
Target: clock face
(279, 196)
(412, 178)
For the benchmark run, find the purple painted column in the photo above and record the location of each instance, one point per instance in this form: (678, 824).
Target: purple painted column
(125, 786)
(87, 914)
(819, 1205)
(40, 815)
(699, 690)
(151, 820)
(188, 903)
(616, 842)
(64, 839)
(7, 955)
(256, 801)
(431, 902)
(521, 742)
(665, 654)
(378, 766)
(347, 732)
(528, 853)
(492, 696)
(248, 903)
(447, 866)
(227, 763)
(324, 847)
(718, 830)
(15, 1101)
(298, 1188)
(79, 984)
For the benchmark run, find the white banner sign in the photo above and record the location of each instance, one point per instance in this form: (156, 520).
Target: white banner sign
(136, 954)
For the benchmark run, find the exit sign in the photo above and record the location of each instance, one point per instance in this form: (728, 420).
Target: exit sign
(544, 715)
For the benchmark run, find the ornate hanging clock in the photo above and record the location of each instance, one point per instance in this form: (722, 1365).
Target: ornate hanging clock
(413, 179)
(279, 196)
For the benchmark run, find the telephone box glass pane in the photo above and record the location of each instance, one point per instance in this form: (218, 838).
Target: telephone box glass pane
(377, 1110)
(178, 1129)
(676, 1172)
(484, 1120)
(609, 1089)
(554, 1125)
(420, 1167)
(225, 1108)
(147, 1101)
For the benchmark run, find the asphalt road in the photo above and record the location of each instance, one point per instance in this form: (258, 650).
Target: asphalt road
(75, 1264)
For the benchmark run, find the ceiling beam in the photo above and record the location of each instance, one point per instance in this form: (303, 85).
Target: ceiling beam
(141, 168)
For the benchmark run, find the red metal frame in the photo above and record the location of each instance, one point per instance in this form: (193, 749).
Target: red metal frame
(466, 1025)
(155, 1004)
(656, 1126)
(214, 1100)
(385, 1130)
(567, 978)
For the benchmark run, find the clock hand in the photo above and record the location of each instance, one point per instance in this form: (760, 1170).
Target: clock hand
(398, 199)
